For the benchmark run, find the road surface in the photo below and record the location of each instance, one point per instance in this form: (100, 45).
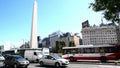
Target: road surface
(75, 65)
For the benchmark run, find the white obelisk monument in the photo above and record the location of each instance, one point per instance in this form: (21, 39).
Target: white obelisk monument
(33, 40)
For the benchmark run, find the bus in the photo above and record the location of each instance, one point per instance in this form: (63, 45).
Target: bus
(101, 53)
(10, 52)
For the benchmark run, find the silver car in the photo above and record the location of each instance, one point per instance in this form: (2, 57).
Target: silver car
(53, 60)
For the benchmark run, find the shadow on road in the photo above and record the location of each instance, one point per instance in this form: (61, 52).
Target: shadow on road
(48, 66)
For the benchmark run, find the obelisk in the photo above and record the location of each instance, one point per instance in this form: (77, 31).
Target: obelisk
(33, 40)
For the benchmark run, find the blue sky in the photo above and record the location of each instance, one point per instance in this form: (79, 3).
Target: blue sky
(53, 15)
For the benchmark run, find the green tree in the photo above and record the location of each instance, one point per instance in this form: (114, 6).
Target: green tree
(110, 8)
(0, 47)
(59, 46)
(71, 44)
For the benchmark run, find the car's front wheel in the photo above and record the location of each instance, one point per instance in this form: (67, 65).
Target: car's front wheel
(57, 65)
(41, 63)
(15, 66)
(4, 65)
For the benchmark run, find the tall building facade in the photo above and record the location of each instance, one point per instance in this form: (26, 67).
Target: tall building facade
(103, 34)
(62, 37)
(68, 37)
(53, 38)
(33, 40)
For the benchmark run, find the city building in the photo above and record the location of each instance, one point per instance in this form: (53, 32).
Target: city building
(60, 39)
(68, 38)
(103, 34)
(39, 42)
(46, 42)
(53, 38)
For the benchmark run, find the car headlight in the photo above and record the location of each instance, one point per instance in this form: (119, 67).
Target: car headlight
(23, 62)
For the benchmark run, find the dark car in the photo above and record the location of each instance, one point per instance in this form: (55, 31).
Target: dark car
(15, 61)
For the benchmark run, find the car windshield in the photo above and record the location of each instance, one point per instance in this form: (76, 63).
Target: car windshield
(18, 57)
(56, 57)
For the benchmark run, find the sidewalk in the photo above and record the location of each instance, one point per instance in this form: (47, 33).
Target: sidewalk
(96, 63)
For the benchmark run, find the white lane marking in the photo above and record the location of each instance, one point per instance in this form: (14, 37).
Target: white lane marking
(108, 66)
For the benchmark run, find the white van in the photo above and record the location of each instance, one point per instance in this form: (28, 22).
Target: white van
(32, 55)
(35, 55)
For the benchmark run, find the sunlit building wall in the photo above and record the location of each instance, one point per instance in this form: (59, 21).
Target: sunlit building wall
(103, 34)
(68, 37)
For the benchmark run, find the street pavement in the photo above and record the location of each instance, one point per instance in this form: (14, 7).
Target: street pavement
(80, 65)
(76, 65)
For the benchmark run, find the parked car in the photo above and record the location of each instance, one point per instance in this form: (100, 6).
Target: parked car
(14, 61)
(53, 60)
(1, 58)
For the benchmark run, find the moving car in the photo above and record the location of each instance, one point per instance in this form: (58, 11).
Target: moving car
(14, 61)
(53, 60)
